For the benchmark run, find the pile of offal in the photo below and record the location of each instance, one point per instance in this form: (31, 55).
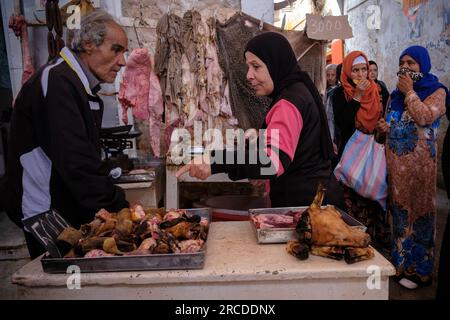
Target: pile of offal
(322, 232)
(135, 232)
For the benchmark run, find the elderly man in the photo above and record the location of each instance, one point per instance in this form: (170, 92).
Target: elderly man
(333, 73)
(331, 76)
(55, 156)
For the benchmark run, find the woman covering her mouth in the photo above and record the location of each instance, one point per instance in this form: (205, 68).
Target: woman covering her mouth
(357, 106)
(357, 102)
(413, 120)
(298, 144)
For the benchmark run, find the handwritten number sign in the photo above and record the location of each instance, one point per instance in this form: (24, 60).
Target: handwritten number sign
(328, 27)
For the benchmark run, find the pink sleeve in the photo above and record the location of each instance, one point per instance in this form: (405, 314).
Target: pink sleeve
(284, 125)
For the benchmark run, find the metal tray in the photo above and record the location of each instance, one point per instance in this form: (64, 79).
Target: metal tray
(172, 261)
(136, 178)
(283, 235)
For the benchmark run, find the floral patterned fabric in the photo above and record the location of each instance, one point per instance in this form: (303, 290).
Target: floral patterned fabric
(412, 170)
(370, 214)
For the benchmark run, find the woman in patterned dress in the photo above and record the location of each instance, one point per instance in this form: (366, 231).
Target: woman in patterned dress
(412, 122)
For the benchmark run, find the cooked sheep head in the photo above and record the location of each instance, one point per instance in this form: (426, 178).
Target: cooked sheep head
(328, 228)
(318, 198)
(298, 249)
(353, 255)
(336, 253)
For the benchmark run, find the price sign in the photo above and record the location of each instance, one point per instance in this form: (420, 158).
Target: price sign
(328, 27)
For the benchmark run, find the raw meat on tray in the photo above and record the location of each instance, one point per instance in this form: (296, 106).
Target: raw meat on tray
(268, 220)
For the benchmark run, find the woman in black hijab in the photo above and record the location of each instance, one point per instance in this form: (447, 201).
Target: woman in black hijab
(298, 147)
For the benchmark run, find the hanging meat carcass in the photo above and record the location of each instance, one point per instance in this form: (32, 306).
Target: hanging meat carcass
(169, 50)
(140, 90)
(156, 110)
(135, 85)
(194, 37)
(204, 92)
(218, 87)
(189, 95)
(18, 24)
(167, 59)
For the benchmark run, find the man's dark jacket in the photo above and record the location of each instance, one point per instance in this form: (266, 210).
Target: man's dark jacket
(54, 157)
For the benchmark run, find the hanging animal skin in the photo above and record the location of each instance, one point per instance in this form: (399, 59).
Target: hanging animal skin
(48, 14)
(59, 43)
(58, 19)
(51, 44)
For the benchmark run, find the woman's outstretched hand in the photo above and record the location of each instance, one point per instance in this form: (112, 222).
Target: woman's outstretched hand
(199, 167)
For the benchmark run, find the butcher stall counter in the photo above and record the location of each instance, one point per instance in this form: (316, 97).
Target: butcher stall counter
(236, 268)
(172, 184)
(150, 190)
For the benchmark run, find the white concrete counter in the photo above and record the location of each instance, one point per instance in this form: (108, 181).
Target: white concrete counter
(236, 267)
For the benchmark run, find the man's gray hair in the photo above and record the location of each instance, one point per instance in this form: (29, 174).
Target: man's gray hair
(92, 28)
(331, 67)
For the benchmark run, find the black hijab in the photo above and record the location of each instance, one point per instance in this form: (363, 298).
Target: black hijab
(277, 54)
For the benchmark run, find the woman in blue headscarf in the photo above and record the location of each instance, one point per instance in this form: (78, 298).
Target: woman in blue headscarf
(412, 121)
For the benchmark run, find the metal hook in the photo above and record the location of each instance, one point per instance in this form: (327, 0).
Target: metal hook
(261, 23)
(192, 4)
(283, 23)
(137, 36)
(37, 19)
(169, 7)
(141, 10)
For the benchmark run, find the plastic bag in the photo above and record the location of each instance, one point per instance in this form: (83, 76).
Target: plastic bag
(363, 167)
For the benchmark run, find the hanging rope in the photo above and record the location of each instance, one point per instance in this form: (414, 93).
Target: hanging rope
(135, 31)
(142, 22)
